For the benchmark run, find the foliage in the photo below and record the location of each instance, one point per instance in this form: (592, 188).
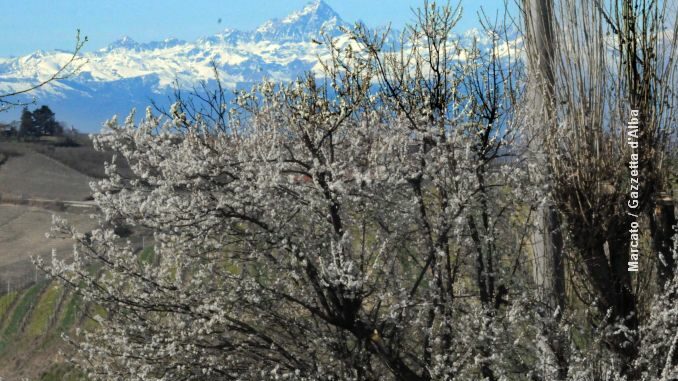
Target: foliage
(366, 224)
(40, 122)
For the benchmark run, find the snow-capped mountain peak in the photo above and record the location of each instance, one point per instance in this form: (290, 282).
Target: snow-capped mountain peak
(302, 25)
(125, 42)
(312, 14)
(129, 74)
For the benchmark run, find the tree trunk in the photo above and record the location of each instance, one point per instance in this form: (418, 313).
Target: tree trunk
(549, 273)
(661, 225)
(548, 262)
(548, 270)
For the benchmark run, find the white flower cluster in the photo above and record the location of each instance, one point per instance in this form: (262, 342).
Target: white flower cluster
(365, 225)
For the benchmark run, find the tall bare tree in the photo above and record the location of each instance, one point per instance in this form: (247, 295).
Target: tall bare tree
(608, 59)
(548, 265)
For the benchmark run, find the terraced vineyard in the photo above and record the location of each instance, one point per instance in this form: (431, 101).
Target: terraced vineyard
(31, 324)
(37, 180)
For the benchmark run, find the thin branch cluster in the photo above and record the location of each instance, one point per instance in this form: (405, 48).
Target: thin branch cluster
(372, 223)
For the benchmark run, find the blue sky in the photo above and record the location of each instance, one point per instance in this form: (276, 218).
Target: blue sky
(29, 25)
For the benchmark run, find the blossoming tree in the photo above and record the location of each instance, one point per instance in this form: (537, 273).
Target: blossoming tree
(371, 222)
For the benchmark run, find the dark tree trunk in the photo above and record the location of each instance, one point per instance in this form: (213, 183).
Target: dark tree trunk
(608, 273)
(661, 225)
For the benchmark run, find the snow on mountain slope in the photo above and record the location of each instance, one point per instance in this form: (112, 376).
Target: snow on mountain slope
(239, 55)
(130, 74)
(300, 25)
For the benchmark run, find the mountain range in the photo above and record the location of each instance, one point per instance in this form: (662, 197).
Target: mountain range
(129, 74)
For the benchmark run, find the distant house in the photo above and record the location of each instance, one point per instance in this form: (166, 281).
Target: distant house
(8, 130)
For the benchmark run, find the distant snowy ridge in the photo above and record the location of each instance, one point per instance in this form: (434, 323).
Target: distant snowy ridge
(128, 74)
(278, 49)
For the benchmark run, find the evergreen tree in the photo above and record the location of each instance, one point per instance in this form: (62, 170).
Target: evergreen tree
(45, 123)
(40, 122)
(27, 126)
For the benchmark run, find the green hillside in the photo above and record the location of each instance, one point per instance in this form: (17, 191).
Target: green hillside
(33, 318)
(31, 324)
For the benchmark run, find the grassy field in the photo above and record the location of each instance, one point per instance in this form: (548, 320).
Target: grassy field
(44, 312)
(35, 175)
(17, 315)
(43, 171)
(33, 321)
(81, 157)
(33, 315)
(22, 235)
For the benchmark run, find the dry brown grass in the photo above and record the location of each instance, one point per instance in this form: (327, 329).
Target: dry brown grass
(22, 235)
(81, 157)
(34, 175)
